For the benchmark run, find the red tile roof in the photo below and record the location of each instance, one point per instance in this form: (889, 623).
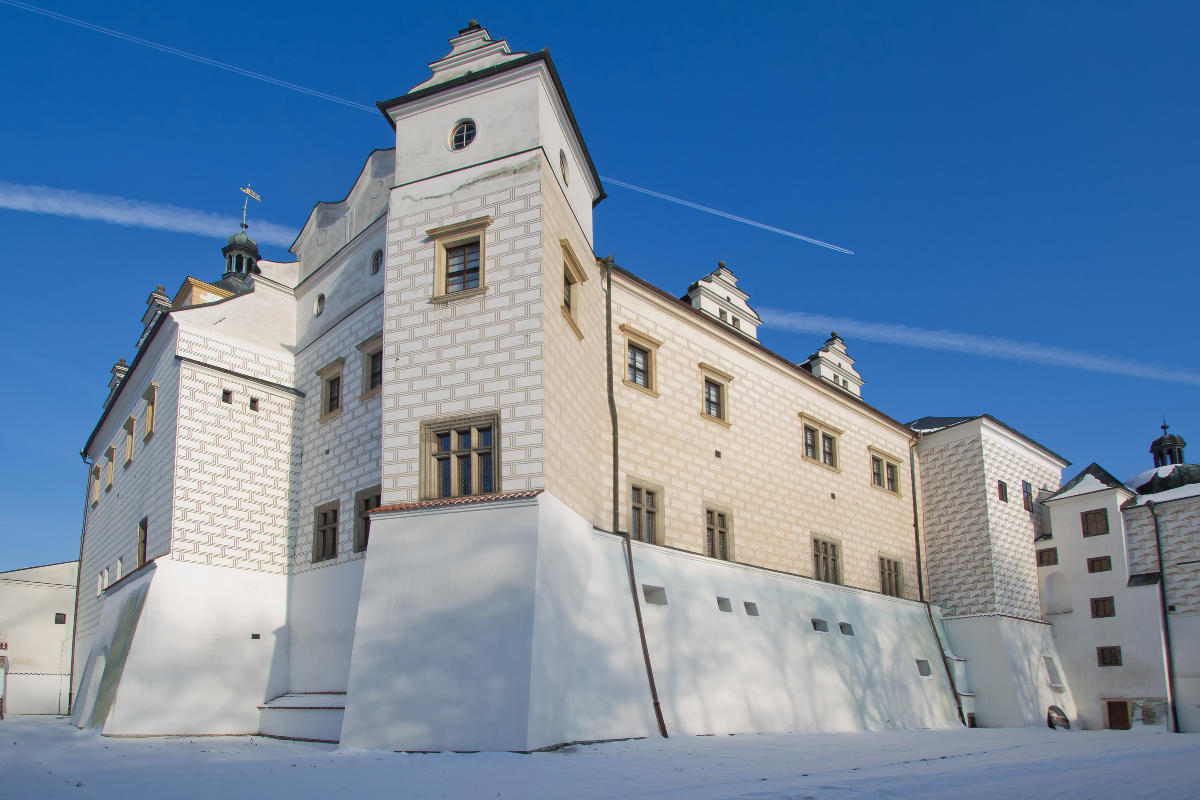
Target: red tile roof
(459, 501)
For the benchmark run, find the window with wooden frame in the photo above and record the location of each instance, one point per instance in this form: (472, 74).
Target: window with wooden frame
(460, 457)
(142, 538)
(325, 532)
(885, 471)
(110, 456)
(372, 365)
(889, 576)
(331, 388)
(151, 398)
(460, 259)
(827, 560)
(1108, 656)
(1103, 607)
(1027, 495)
(1094, 523)
(1100, 564)
(645, 506)
(130, 426)
(95, 476)
(641, 352)
(1002, 491)
(718, 533)
(821, 444)
(1047, 557)
(364, 502)
(715, 398)
(573, 278)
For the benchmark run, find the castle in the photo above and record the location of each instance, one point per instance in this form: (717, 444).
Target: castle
(448, 481)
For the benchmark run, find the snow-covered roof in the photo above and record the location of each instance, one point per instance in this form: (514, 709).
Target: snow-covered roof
(1093, 478)
(1161, 484)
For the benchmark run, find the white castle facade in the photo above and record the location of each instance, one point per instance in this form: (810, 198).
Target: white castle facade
(368, 496)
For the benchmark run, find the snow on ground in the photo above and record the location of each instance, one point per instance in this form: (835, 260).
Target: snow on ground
(44, 757)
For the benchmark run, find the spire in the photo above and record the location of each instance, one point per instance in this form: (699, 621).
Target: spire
(1168, 448)
(240, 251)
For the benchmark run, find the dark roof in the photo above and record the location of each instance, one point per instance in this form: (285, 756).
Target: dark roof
(931, 424)
(1096, 471)
(471, 77)
(1179, 475)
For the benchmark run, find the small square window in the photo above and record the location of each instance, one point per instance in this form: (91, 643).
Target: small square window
(1103, 607)
(254, 404)
(751, 608)
(1095, 523)
(1108, 656)
(923, 668)
(1047, 557)
(1002, 491)
(227, 395)
(846, 628)
(820, 625)
(654, 595)
(723, 604)
(60, 618)
(1099, 564)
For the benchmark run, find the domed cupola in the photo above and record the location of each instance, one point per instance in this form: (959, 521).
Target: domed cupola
(240, 251)
(1168, 448)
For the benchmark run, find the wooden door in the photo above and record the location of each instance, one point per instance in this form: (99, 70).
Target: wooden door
(1118, 715)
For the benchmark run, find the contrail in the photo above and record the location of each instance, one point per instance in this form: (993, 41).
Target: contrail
(973, 344)
(134, 213)
(719, 213)
(258, 76)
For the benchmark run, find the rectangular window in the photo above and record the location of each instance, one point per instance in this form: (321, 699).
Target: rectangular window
(715, 387)
(645, 505)
(151, 398)
(713, 405)
(110, 457)
(95, 474)
(331, 388)
(1002, 491)
(639, 365)
(717, 540)
(143, 536)
(130, 427)
(460, 457)
(1095, 523)
(821, 446)
(325, 532)
(826, 566)
(60, 618)
(372, 365)
(884, 472)
(1099, 564)
(1103, 607)
(460, 258)
(889, 576)
(364, 501)
(1027, 495)
(1108, 656)
(1047, 557)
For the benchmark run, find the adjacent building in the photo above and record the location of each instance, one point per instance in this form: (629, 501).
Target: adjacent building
(36, 622)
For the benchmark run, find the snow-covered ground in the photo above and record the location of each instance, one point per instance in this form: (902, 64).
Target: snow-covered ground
(44, 757)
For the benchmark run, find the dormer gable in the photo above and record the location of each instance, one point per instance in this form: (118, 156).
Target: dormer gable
(834, 364)
(717, 294)
(472, 50)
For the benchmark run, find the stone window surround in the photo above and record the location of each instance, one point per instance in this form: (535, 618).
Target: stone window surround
(368, 348)
(429, 488)
(129, 427)
(1050, 558)
(111, 456)
(891, 568)
(832, 552)
(362, 524)
(455, 235)
(638, 510)
(327, 374)
(709, 373)
(95, 473)
(822, 429)
(886, 460)
(573, 277)
(715, 509)
(648, 343)
(151, 398)
(323, 554)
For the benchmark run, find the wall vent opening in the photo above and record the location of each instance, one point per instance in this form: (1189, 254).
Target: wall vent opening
(923, 668)
(751, 609)
(724, 604)
(820, 625)
(654, 595)
(846, 628)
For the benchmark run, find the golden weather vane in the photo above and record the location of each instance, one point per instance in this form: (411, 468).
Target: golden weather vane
(249, 193)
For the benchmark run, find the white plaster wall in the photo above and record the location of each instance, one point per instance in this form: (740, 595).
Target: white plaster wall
(37, 649)
(441, 656)
(1007, 672)
(509, 626)
(322, 608)
(1135, 628)
(1185, 640)
(192, 666)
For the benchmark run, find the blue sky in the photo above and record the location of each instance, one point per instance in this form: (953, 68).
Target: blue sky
(1016, 171)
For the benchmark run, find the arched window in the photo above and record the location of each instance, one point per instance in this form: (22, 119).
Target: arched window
(376, 262)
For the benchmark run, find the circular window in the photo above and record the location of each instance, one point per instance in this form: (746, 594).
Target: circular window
(376, 262)
(562, 167)
(463, 135)
(319, 306)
